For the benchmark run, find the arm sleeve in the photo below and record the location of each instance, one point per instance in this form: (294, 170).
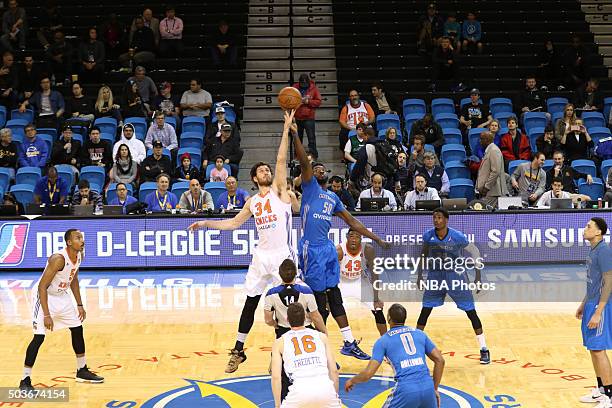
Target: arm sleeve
(378, 352)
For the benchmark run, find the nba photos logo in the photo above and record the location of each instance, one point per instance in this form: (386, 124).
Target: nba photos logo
(13, 238)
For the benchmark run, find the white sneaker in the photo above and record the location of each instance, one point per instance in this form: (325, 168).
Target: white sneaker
(604, 403)
(594, 396)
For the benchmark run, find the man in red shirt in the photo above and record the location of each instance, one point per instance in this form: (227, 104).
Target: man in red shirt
(305, 114)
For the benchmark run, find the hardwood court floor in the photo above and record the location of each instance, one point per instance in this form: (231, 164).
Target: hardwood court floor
(146, 341)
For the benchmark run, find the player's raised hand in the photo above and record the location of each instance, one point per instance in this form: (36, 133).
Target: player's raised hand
(48, 323)
(82, 313)
(197, 225)
(288, 119)
(348, 385)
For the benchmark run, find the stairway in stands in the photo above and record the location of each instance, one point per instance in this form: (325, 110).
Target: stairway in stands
(599, 16)
(286, 38)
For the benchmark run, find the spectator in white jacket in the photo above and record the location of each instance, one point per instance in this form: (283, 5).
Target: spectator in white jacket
(128, 137)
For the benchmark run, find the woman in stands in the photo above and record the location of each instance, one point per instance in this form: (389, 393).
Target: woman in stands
(161, 200)
(391, 137)
(562, 127)
(479, 151)
(105, 108)
(125, 170)
(576, 142)
(133, 106)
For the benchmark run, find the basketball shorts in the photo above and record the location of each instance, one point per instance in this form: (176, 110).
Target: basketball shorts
(358, 289)
(319, 265)
(62, 311)
(599, 338)
(403, 397)
(441, 284)
(263, 270)
(301, 394)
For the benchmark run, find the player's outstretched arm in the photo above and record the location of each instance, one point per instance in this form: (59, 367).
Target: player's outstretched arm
(363, 376)
(332, 368)
(436, 356)
(355, 224)
(56, 264)
(305, 165)
(280, 171)
(227, 224)
(76, 292)
(277, 361)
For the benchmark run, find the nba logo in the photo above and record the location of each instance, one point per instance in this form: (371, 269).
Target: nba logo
(13, 236)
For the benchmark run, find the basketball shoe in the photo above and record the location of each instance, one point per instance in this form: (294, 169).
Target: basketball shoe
(593, 397)
(353, 350)
(236, 358)
(84, 375)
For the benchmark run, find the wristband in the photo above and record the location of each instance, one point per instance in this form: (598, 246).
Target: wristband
(79, 305)
(47, 315)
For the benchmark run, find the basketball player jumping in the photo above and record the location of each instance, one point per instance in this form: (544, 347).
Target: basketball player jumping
(318, 256)
(309, 363)
(271, 207)
(356, 262)
(53, 307)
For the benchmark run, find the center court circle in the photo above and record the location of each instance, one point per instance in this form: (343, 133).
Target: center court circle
(253, 392)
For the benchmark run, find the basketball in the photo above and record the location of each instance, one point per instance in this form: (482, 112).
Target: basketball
(289, 98)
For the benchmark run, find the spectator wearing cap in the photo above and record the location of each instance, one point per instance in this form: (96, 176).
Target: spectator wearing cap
(123, 198)
(155, 164)
(514, 145)
(186, 171)
(224, 146)
(471, 32)
(141, 50)
(196, 101)
(128, 137)
(223, 50)
(434, 174)
(474, 115)
(305, 113)
(219, 173)
(97, 152)
(195, 199)
(34, 151)
(162, 131)
(79, 108)
(355, 143)
(166, 102)
(51, 189)
(148, 21)
(336, 184)
(171, 32)
(86, 196)
(47, 103)
(146, 86)
(430, 27)
(431, 130)
(531, 98)
(67, 150)
(354, 112)
(214, 130)
(235, 197)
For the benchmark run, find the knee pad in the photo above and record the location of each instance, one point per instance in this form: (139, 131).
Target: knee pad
(32, 350)
(334, 298)
(38, 340)
(425, 312)
(379, 317)
(321, 299)
(473, 316)
(78, 341)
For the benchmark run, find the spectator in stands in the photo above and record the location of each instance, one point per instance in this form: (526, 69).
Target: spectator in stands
(224, 146)
(493, 128)
(141, 47)
(8, 81)
(568, 175)
(161, 199)
(429, 29)
(445, 66)
(391, 138)
(223, 50)
(435, 175)
(133, 105)
(355, 143)
(79, 108)
(8, 151)
(491, 182)
(186, 171)
(196, 101)
(529, 180)
(549, 69)
(148, 21)
(50, 189)
(146, 86)
(48, 105)
(603, 150)
(29, 76)
(105, 106)
(92, 56)
(577, 142)
(305, 113)
(431, 130)
(50, 21)
(452, 30)
(219, 173)
(337, 186)
(162, 131)
(86, 196)
(67, 150)
(417, 154)
(128, 138)
(10, 200)
(97, 152)
(532, 99)
(34, 151)
(377, 191)
(166, 102)
(383, 101)
(214, 130)
(608, 195)
(589, 97)
(171, 31)
(195, 199)
(547, 143)
(563, 125)
(125, 169)
(474, 115)
(471, 33)
(577, 62)
(235, 197)
(14, 27)
(555, 192)
(155, 164)
(59, 58)
(420, 192)
(405, 174)
(122, 198)
(514, 145)
(353, 113)
(114, 35)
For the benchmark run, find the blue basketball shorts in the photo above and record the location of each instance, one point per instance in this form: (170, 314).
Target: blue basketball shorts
(447, 284)
(599, 338)
(319, 265)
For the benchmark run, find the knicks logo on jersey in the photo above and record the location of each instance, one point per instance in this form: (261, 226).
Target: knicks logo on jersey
(13, 239)
(264, 217)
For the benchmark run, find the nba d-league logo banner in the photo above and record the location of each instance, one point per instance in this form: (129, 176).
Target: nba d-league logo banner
(158, 242)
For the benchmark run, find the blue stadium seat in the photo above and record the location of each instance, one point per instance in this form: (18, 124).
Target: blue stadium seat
(24, 193)
(191, 139)
(93, 174)
(441, 105)
(534, 119)
(110, 138)
(502, 117)
(467, 101)
(145, 189)
(165, 152)
(452, 136)
(585, 166)
(140, 125)
(79, 137)
(557, 104)
(555, 117)
(497, 105)
(414, 106)
(215, 188)
(111, 191)
(17, 127)
(171, 120)
(194, 124)
(607, 106)
(462, 188)
(597, 133)
(548, 164)
(212, 166)
(64, 171)
(47, 139)
(409, 120)
(28, 175)
(447, 120)
(387, 120)
(456, 170)
(474, 138)
(453, 152)
(533, 134)
(106, 125)
(593, 120)
(179, 187)
(5, 177)
(3, 115)
(606, 165)
(48, 131)
(514, 164)
(594, 190)
(28, 115)
(196, 156)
